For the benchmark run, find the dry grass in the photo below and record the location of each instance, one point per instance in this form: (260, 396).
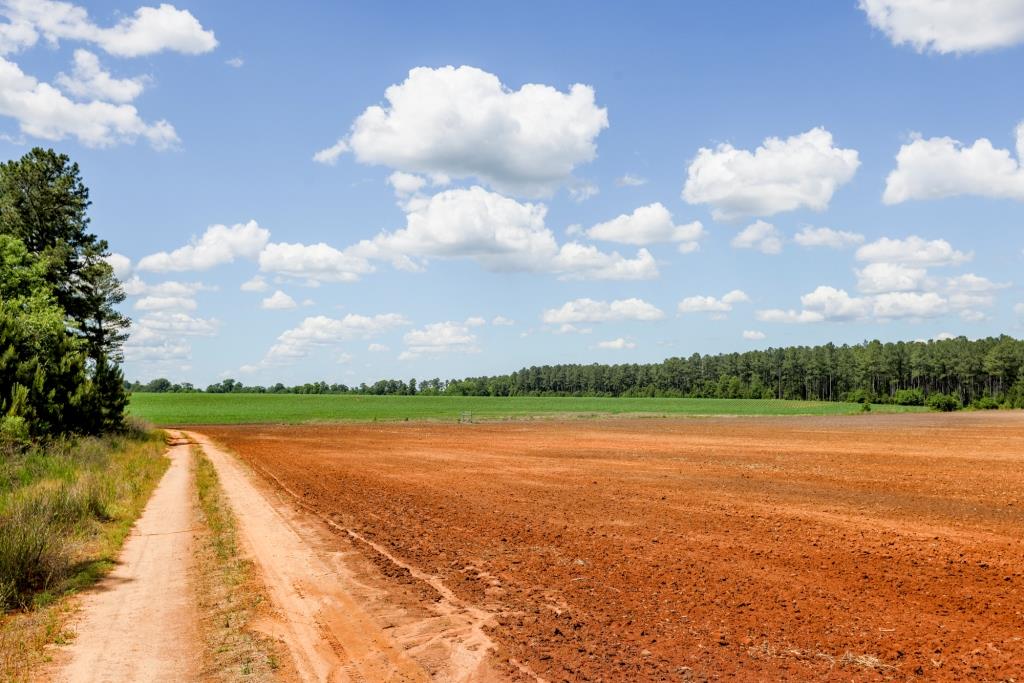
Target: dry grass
(230, 593)
(766, 650)
(65, 510)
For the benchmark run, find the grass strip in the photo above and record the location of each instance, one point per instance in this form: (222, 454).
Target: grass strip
(230, 592)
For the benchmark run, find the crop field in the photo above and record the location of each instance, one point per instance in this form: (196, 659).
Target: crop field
(876, 547)
(201, 409)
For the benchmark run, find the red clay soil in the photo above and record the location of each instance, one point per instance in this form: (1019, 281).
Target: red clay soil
(844, 548)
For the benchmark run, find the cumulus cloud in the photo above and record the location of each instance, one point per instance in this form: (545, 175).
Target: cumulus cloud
(502, 321)
(502, 235)
(616, 344)
(890, 277)
(89, 80)
(161, 336)
(778, 315)
(943, 167)
(438, 338)
(121, 264)
(321, 331)
(278, 301)
(464, 123)
(43, 111)
(647, 225)
(406, 184)
(948, 27)
(835, 304)
(377, 348)
(711, 304)
(827, 237)
(254, 284)
(218, 245)
(831, 304)
(753, 335)
(592, 311)
(802, 171)
(165, 303)
(913, 250)
(149, 31)
(761, 236)
(1019, 309)
(313, 262)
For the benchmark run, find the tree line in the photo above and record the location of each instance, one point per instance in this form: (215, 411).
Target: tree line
(985, 373)
(61, 335)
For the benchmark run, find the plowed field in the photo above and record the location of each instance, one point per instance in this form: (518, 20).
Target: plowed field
(851, 548)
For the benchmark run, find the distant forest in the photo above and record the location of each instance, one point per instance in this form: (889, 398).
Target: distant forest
(946, 374)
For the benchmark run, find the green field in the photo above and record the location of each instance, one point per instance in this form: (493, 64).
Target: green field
(183, 409)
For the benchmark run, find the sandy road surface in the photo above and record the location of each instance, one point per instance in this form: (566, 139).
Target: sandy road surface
(336, 625)
(139, 623)
(858, 548)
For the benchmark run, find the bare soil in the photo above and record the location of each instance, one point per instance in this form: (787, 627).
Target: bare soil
(852, 548)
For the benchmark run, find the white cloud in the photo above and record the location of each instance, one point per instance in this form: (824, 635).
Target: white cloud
(591, 311)
(580, 191)
(475, 321)
(149, 31)
(313, 262)
(802, 171)
(88, 80)
(710, 304)
(761, 236)
(165, 303)
(330, 155)
(463, 123)
(121, 264)
(377, 348)
(913, 250)
(969, 282)
(218, 245)
(647, 225)
(909, 305)
(616, 344)
(630, 180)
(321, 331)
(437, 338)
(254, 284)
(890, 277)
(948, 26)
(753, 335)
(160, 336)
(1019, 309)
(406, 184)
(943, 167)
(835, 304)
(235, 62)
(778, 315)
(278, 301)
(502, 321)
(500, 234)
(42, 111)
(827, 237)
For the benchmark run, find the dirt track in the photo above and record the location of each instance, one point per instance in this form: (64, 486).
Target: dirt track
(140, 622)
(854, 548)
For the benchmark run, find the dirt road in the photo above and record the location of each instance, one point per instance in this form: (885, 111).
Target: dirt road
(857, 548)
(140, 622)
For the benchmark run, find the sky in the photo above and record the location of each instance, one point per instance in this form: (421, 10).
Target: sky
(353, 191)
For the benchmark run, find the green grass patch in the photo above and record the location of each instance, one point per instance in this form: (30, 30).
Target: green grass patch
(198, 408)
(65, 510)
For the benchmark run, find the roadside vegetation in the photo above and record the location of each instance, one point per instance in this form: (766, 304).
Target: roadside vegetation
(230, 593)
(65, 510)
(202, 408)
(73, 475)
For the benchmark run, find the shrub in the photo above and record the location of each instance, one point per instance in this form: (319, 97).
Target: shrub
(909, 397)
(944, 402)
(985, 403)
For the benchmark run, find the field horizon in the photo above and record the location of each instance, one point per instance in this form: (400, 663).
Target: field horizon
(240, 408)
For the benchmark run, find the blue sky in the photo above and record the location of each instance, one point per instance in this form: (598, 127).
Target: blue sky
(574, 183)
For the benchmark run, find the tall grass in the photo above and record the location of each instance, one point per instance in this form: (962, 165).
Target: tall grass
(65, 509)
